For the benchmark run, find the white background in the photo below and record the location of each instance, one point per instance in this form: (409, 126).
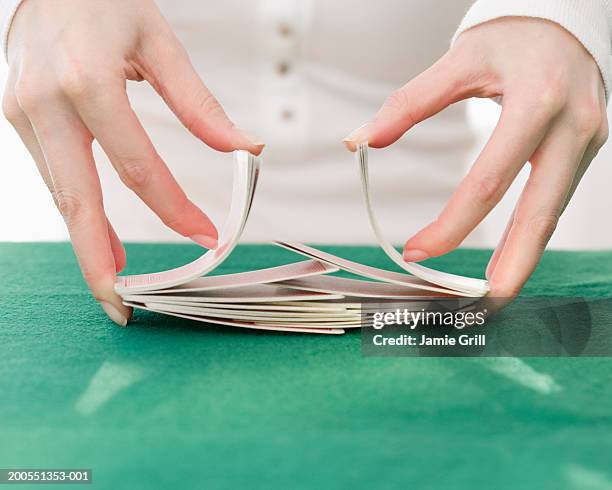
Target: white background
(28, 213)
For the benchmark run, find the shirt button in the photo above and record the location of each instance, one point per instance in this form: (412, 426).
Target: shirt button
(283, 68)
(285, 30)
(287, 114)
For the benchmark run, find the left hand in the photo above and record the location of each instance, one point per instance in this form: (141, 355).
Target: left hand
(553, 115)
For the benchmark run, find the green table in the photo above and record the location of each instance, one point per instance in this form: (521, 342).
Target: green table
(173, 404)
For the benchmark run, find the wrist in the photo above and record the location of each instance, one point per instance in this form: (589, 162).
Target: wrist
(586, 21)
(8, 10)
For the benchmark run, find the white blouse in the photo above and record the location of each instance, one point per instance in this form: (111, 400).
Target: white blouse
(300, 75)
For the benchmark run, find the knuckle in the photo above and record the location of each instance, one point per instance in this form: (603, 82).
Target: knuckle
(78, 77)
(458, 85)
(550, 104)
(587, 119)
(70, 205)
(542, 227)
(602, 134)
(10, 108)
(487, 188)
(552, 91)
(397, 104)
(175, 220)
(466, 69)
(207, 107)
(75, 81)
(92, 276)
(556, 79)
(554, 83)
(458, 55)
(396, 101)
(31, 96)
(134, 173)
(208, 104)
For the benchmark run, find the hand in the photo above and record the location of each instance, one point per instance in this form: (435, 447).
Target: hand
(553, 115)
(68, 65)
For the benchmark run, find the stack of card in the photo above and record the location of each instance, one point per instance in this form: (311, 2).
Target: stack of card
(297, 297)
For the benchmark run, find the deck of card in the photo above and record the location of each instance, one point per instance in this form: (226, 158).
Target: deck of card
(303, 296)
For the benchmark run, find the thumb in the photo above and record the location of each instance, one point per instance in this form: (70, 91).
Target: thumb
(442, 84)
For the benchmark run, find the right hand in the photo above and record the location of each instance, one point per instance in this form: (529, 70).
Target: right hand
(68, 65)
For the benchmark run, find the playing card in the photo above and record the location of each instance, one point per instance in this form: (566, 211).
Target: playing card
(466, 285)
(295, 297)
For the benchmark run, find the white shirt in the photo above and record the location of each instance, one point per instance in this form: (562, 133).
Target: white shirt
(300, 75)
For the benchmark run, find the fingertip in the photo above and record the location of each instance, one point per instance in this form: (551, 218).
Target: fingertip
(257, 149)
(120, 259)
(205, 241)
(129, 313)
(117, 311)
(351, 145)
(206, 234)
(433, 240)
(117, 248)
(358, 136)
(376, 142)
(211, 230)
(417, 249)
(119, 266)
(489, 271)
(503, 287)
(246, 141)
(414, 255)
(194, 224)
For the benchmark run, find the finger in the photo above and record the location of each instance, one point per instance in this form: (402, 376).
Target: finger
(589, 155)
(498, 250)
(502, 243)
(66, 145)
(553, 169)
(518, 133)
(169, 70)
(116, 127)
(117, 248)
(24, 129)
(447, 81)
(591, 151)
(595, 116)
(20, 122)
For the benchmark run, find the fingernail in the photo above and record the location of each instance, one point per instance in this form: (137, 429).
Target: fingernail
(114, 314)
(252, 139)
(349, 143)
(360, 135)
(415, 255)
(205, 241)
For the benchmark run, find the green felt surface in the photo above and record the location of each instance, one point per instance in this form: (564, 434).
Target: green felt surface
(173, 404)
